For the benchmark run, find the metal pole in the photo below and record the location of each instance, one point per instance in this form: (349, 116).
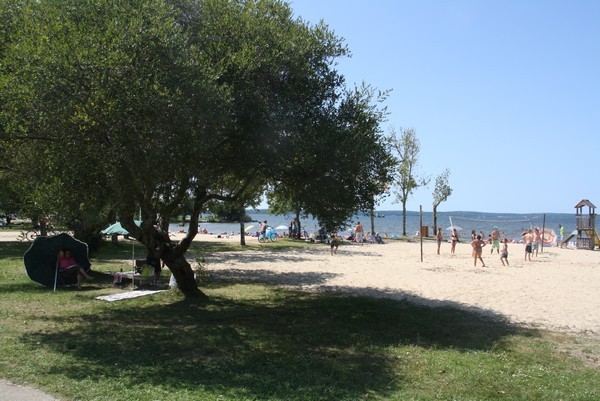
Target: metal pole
(543, 231)
(56, 275)
(421, 229)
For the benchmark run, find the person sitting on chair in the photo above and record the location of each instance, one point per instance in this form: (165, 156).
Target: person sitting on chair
(69, 267)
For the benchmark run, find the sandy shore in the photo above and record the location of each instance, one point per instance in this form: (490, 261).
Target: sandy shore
(559, 289)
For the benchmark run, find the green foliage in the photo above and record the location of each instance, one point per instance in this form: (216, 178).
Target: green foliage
(442, 190)
(441, 193)
(226, 211)
(110, 109)
(339, 164)
(406, 179)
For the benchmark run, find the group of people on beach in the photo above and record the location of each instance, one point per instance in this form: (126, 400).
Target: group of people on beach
(477, 243)
(532, 239)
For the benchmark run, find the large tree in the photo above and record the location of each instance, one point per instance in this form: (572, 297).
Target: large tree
(406, 149)
(135, 108)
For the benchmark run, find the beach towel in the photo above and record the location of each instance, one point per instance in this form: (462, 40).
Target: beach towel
(127, 295)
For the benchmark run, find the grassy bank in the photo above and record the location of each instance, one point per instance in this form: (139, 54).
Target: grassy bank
(255, 342)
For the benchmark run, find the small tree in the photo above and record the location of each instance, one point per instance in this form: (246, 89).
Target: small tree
(441, 193)
(406, 180)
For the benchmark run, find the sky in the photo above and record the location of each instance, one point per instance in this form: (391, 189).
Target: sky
(503, 93)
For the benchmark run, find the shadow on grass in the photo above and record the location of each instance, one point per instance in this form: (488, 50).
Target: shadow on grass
(13, 249)
(282, 345)
(264, 344)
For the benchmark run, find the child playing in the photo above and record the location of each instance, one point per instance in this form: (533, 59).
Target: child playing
(334, 243)
(504, 253)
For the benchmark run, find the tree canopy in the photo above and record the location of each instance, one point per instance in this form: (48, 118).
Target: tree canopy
(338, 164)
(129, 107)
(406, 149)
(441, 193)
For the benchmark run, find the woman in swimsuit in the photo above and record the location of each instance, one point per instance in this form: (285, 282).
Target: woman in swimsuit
(439, 238)
(478, 245)
(454, 239)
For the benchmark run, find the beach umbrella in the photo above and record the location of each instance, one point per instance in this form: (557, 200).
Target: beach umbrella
(248, 228)
(549, 237)
(117, 229)
(453, 227)
(41, 259)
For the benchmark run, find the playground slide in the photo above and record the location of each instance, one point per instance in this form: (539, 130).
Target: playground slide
(597, 239)
(569, 238)
(589, 233)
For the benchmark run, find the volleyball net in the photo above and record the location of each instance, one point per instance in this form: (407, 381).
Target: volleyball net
(512, 229)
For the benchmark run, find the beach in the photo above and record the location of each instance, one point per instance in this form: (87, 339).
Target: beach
(558, 290)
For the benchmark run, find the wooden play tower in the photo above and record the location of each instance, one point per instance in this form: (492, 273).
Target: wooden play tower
(586, 225)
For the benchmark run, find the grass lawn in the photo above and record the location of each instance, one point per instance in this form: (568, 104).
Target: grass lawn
(257, 342)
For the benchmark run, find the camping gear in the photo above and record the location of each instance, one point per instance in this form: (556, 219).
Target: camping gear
(41, 259)
(117, 229)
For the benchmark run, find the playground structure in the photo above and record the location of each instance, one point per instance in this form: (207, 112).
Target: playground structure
(587, 236)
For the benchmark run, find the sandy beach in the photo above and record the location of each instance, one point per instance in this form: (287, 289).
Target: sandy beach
(558, 290)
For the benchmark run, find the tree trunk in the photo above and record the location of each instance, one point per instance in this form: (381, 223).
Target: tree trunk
(298, 225)
(435, 219)
(181, 269)
(86, 232)
(158, 244)
(242, 233)
(404, 218)
(372, 222)
(43, 227)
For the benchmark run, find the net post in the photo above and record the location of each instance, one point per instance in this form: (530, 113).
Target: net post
(543, 231)
(420, 229)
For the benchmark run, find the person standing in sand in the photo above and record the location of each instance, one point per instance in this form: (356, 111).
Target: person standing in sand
(504, 253)
(439, 238)
(561, 234)
(478, 245)
(537, 239)
(455, 239)
(528, 241)
(495, 239)
(334, 242)
(359, 233)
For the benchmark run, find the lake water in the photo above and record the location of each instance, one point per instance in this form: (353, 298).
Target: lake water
(390, 223)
